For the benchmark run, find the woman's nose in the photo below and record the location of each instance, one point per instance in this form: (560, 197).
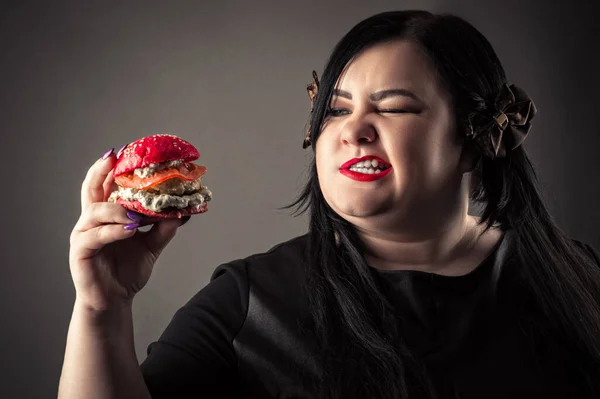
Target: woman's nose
(358, 131)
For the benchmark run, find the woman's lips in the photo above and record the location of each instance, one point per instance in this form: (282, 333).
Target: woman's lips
(365, 158)
(358, 176)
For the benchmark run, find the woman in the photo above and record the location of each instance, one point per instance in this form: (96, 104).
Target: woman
(396, 291)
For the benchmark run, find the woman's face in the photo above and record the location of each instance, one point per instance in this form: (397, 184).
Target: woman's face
(388, 106)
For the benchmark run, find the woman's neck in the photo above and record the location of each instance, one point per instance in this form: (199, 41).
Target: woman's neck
(442, 250)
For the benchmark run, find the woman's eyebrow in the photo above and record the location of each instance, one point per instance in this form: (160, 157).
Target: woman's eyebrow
(380, 95)
(342, 93)
(383, 94)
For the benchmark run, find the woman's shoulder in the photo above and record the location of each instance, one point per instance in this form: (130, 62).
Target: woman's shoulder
(272, 288)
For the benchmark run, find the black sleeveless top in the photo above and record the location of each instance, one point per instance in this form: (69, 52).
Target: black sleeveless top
(241, 337)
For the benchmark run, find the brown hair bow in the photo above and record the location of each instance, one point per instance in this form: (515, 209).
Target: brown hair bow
(509, 126)
(313, 89)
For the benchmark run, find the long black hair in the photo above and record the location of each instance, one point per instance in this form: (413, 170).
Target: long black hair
(364, 354)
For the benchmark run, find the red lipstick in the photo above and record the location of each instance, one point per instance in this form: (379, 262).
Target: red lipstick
(358, 176)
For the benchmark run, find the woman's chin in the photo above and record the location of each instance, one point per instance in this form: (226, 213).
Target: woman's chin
(359, 209)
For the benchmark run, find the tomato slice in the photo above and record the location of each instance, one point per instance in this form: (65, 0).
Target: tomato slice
(185, 171)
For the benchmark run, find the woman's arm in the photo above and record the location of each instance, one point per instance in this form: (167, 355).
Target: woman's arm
(100, 360)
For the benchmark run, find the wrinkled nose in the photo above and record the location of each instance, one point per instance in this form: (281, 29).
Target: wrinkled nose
(358, 131)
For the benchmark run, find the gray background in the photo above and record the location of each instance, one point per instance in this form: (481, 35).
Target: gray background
(81, 77)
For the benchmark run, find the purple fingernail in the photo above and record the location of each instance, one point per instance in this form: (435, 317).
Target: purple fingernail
(107, 154)
(136, 217)
(132, 226)
(121, 150)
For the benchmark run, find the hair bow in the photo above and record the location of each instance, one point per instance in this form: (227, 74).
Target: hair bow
(509, 126)
(313, 89)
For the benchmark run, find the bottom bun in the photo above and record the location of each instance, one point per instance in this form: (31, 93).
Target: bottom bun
(171, 213)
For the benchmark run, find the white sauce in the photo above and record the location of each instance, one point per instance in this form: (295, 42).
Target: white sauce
(154, 167)
(157, 202)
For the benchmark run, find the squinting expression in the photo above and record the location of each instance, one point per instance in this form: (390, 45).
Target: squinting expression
(388, 142)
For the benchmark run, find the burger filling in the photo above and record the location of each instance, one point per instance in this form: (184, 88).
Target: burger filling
(172, 193)
(155, 167)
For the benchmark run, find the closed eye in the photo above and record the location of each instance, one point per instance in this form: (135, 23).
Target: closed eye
(343, 111)
(337, 112)
(394, 111)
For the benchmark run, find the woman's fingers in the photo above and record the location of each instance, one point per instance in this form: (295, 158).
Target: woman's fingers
(87, 243)
(92, 189)
(100, 213)
(100, 224)
(109, 185)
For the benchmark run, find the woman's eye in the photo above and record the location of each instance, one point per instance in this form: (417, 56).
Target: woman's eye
(343, 111)
(337, 111)
(394, 111)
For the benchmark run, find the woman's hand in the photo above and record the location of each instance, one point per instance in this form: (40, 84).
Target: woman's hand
(110, 260)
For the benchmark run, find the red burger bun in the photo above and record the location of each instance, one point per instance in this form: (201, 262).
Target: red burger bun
(169, 180)
(153, 149)
(136, 206)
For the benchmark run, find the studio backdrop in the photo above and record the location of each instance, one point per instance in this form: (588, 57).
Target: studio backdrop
(81, 77)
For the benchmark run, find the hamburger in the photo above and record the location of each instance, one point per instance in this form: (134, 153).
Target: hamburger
(156, 177)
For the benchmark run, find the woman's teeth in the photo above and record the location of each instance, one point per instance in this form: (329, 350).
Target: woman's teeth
(370, 167)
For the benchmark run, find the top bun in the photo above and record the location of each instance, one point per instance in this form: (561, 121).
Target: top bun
(153, 149)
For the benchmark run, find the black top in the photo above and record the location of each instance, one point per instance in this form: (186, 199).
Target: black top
(240, 336)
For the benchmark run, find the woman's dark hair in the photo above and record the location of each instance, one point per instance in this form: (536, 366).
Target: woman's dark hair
(364, 354)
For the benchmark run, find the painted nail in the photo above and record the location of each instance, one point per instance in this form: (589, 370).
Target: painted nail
(136, 217)
(185, 220)
(121, 150)
(107, 154)
(132, 226)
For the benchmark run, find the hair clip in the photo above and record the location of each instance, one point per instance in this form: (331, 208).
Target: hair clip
(313, 89)
(509, 126)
